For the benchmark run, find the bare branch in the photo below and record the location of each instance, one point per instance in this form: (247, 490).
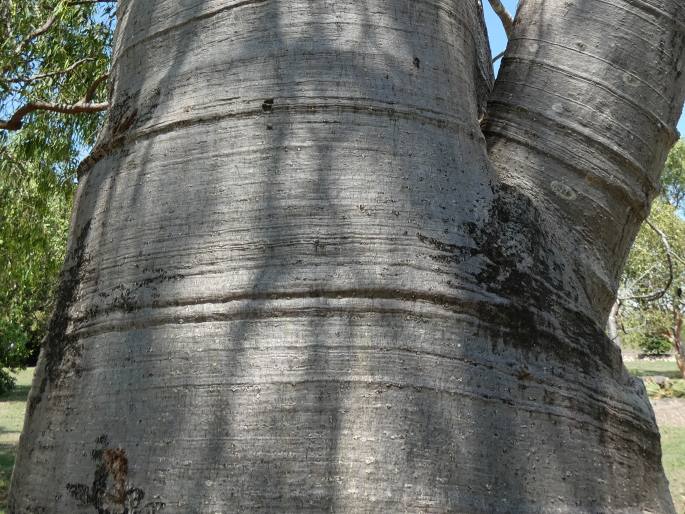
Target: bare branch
(15, 122)
(498, 56)
(669, 259)
(90, 93)
(84, 105)
(504, 16)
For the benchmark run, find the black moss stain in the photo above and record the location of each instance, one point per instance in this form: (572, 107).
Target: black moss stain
(58, 344)
(514, 229)
(109, 492)
(125, 297)
(450, 253)
(61, 350)
(535, 290)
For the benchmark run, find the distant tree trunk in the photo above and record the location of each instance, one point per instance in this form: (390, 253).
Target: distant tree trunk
(300, 280)
(676, 338)
(612, 324)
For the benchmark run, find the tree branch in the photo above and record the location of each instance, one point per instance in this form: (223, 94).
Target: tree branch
(51, 20)
(15, 122)
(38, 32)
(84, 105)
(57, 72)
(669, 259)
(504, 16)
(90, 92)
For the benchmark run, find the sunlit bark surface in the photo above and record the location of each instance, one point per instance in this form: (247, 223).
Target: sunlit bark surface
(299, 281)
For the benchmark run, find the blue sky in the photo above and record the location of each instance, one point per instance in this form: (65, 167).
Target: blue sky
(498, 40)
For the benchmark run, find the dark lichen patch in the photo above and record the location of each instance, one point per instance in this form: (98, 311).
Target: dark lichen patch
(125, 301)
(451, 253)
(540, 302)
(514, 229)
(110, 492)
(126, 297)
(160, 275)
(36, 397)
(60, 347)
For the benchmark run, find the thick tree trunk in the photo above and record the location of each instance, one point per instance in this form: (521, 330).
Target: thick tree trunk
(297, 282)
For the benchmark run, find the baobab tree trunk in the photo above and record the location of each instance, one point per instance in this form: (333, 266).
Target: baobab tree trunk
(300, 280)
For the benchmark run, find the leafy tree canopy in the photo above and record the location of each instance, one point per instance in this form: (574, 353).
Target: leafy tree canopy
(654, 278)
(673, 179)
(53, 57)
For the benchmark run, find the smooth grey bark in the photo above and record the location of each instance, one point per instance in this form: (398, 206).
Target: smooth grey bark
(299, 280)
(613, 331)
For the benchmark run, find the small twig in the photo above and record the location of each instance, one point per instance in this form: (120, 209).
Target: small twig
(639, 279)
(504, 16)
(669, 259)
(38, 32)
(498, 56)
(57, 72)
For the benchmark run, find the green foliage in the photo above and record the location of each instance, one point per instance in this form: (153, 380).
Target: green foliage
(651, 344)
(669, 389)
(653, 390)
(38, 162)
(34, 210)
(7, 381)
(673, 178)
(649, 323)
(678, 389)
(644, 368)
(35, 69)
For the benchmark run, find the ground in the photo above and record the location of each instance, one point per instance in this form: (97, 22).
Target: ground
(670, 414)
(12, 408)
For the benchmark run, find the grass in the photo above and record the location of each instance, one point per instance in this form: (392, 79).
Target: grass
(673, 448)
(645, 368)
(13, 406)
(672, 438)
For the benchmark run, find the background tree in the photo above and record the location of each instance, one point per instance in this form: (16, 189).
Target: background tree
(300, 279)
(651, 295)
(51, 55)
(673, 178)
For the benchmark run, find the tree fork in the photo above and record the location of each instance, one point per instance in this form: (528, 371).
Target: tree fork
(301, 280)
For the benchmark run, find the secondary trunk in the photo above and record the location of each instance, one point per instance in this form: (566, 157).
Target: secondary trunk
(298, 282)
